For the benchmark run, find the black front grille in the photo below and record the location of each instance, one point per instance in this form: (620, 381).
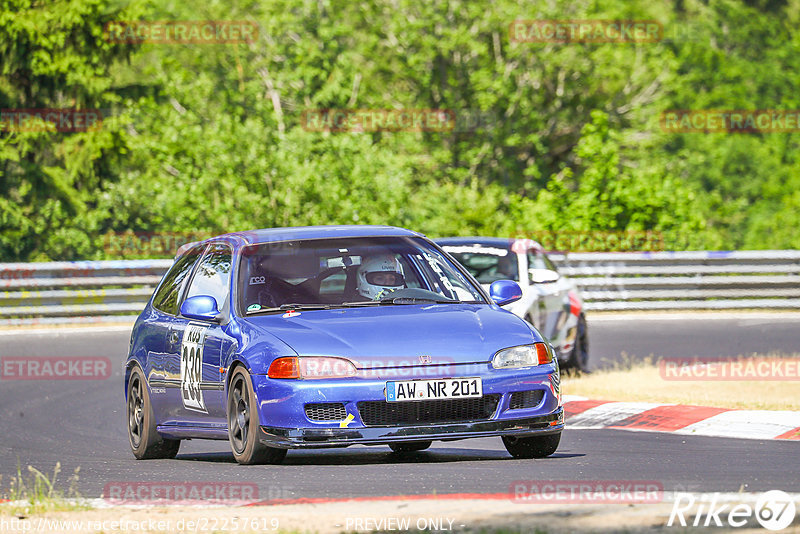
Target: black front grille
(326, 411)
(382, 413)
(525, 399)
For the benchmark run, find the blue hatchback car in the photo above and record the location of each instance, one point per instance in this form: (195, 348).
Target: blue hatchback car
(333, 336)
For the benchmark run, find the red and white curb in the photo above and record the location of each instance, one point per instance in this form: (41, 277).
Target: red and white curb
(583, 413)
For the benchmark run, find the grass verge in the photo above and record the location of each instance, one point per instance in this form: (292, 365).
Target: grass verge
(665, 381)
(35, 492)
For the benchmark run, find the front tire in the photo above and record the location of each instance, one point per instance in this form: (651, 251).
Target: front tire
(243, 424)
(532, 446)
(410, 446)
(579, 357)
(145, 442)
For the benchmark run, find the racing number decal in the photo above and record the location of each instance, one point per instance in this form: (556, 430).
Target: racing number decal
(192, 367)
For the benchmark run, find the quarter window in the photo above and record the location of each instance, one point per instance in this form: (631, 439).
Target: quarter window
(213, 275)
(168, 293)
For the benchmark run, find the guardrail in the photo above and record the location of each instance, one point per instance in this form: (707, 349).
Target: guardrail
(117, 290)
(685, 280)
(80, 291)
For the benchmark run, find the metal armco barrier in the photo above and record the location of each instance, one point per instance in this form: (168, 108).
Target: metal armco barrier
(80, 291)
(685, 280)
(88, 291)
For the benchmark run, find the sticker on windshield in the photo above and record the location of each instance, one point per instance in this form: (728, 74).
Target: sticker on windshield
(192, 367)
(434, 263)
(257, 280)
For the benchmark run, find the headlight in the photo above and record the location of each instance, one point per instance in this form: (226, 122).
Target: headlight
(311, 367)
(522, 356)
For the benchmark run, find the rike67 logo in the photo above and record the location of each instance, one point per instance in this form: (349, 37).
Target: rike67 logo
(774, 510)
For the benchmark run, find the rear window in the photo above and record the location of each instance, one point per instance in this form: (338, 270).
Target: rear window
(486, 264)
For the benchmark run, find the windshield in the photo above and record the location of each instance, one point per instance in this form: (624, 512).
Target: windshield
(363, 271)
(486, 264)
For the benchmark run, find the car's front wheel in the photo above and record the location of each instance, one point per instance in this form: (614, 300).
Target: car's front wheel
(410, 446)
(145, 442)
(579, 357)
(243, 424)
(532, 446)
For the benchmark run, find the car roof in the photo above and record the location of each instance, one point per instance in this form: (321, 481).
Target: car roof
(517, 245)
(267, 235)
(271, 235)
(488, 241)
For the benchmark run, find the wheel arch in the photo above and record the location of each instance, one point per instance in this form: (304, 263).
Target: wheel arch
(129, 366)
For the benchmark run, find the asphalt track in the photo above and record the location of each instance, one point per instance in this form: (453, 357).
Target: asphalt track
(81, 424)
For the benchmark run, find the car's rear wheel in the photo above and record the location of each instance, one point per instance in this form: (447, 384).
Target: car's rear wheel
(243, 424)
(145, 442)
(532, 446)
(410, 446)
(579, 357)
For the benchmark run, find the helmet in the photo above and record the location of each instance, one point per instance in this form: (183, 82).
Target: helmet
(379, 275)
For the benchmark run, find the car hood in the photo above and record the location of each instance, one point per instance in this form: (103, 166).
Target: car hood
(400, 335)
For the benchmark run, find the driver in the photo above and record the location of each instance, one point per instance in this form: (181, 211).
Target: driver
(379, 275)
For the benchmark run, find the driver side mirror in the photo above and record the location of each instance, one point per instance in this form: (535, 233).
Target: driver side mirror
(202, 307)
(543, 276)
(505, 292)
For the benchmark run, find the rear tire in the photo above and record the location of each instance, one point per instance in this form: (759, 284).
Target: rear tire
(243, 424)
(532, 446)
(579, 357)
(145, 442)
(410, 446)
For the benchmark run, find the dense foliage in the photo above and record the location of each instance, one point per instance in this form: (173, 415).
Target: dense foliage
(209, 138)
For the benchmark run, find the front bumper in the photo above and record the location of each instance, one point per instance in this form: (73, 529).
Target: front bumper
(299, 438)
(284, 423)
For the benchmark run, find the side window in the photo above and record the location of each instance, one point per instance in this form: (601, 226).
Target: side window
(550, 264)
(166, 298)
(334, 284)
(537, 260)
(213, 275)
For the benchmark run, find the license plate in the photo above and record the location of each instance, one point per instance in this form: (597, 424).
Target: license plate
(445, 388)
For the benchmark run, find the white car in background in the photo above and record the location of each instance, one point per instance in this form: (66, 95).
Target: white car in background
(550, 301)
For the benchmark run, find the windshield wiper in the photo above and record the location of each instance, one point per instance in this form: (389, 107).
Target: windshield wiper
(419, 300)
(363, 303)
(358, 304)
(404, 300)
(286, 307)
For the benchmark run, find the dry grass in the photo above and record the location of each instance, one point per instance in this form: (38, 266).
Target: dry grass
(36, 492)
(644, 381)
